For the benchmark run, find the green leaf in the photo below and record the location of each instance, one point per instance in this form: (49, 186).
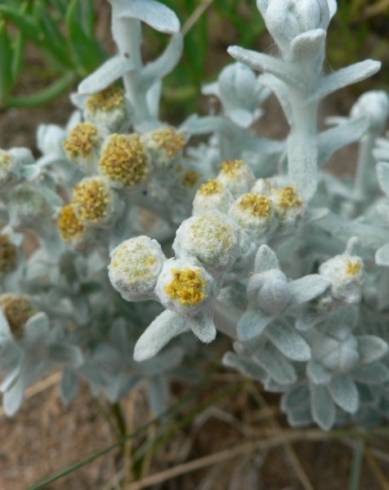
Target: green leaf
(86, 51)
(25, 23)
(6, 63)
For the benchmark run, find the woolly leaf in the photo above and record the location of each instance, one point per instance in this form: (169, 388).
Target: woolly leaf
(322, 406)
(382, 255)
(317, 373)
(252, 324)
(265, 259)
(383, 176)
(344, 393)
(275, 364)
(307, 288)
(289, 342)
(108, 73)
(152, 13)
(371, 348)
(375, 373)
(204, 329)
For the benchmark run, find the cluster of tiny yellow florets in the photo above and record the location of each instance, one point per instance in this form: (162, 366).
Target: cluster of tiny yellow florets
(8, 255)
(289, 198)
(190, 179)
(187, 287)
(70, 227)
(169, 140)
(82, 140)
(232, 168)
(135, 261)
(91, 200)
(124, 160)
(353, 267)
(256, 204)
(107, 100)
(17, 309)
(211, 188)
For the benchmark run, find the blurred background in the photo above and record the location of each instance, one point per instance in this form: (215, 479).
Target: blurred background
(46, 47)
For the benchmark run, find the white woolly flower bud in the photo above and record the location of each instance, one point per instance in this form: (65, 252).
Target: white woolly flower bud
(50, 139)
(287, 19)
(82, 146)
(109, 110)
(211, 238)
(287, 203)
(269, 291)
(11, 162)
(345, 273)
(135, 266)
(185, 287)
(236, 176)
(339, 353)
(253, 213)
(164, 145)
(263, 186)
(374, 106)
(213, 195)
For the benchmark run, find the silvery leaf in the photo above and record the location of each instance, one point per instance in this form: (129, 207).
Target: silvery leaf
(153, 98)
(5, 332)
(296, 397)
(264, 62)
(110, 71)
(309, 48)
(317, 373)
(322, 406)
(300, 417)
(333, 7)
(69, 385)
(159, 333)
(37, 328)
(276, 365)
(307, 288)
(152, 13)
(13, 397)
(382, 255)
(252, 324)
(281, 91)
(344, 393)
(158, 393)
(244, 366)
(288, 342)
(204, 328)
(383, 176)
(375, 373)
(344, 77)
(265, 259)
(67, 354)
(342, 135)
(371, 348)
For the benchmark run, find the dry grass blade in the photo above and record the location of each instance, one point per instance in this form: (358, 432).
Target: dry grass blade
(225, 455)
(376, 469)
(196, 15)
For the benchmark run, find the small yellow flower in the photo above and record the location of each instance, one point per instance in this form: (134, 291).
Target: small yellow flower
(69, 226)
(169, 140)
(17, 310)
(232, 168)
(92, 200)
(211, 188)
(288, 197)
(124, 160)
(190, 179)
(353, 268)
(8, 255)
(187, 287)
(256, 204)
(82, 141)
(107, 100)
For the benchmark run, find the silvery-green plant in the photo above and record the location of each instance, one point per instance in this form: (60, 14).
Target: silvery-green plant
(149, 245)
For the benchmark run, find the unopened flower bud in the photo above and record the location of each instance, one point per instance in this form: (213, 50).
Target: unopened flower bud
(213, 195)
(374, 106)
(269, 291)
(17, 309)
(82, 146)
(345, 274)
(135, 266)
(164, 145)
(236, 176)
(288, 205)
(253, 213)
(108, 109)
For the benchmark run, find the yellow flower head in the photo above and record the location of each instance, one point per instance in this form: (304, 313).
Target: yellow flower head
(255, 204)
(124, 160)
(107, 100)
(169, 140)
(8, 255)
(190, 179)
(232, 168)
(211, 188)
(92, 200)
(82, 141)
(353, 267)
(289, 198)
(188, 287)
(17, 310)
(69, 226)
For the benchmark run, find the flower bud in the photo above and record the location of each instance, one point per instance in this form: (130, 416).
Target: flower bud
(164, 145)
(345, 274)
(124, 161)
(94, 201)
(135, 267)
(71, 229)
(269, 291)
(82, 146)
(11, 162)
(213, 195)
(184, 287)
(236, 176)
(211, 238)
(287, 19)
(17, 310)
(253, 213)
(288, 205)
(108, 110)
(374, 106)
(8, 255)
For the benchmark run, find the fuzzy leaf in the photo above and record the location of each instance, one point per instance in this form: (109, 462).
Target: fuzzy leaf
(159, 333)
(295, 398)
(158, 393)
(204, 329)
(106, 75)
(317, 373)
(244, 366)
(375, 373)
(383, 176)
(152, 13)
(346, 76)
(307, 288)
(265, 259)
(289, 342)
(382, 255)
(310, 47)
(275, 364)
(371, 348)
(281, 91)
(252, 324)
(322, 406)
(345, 393)
(13, 397)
